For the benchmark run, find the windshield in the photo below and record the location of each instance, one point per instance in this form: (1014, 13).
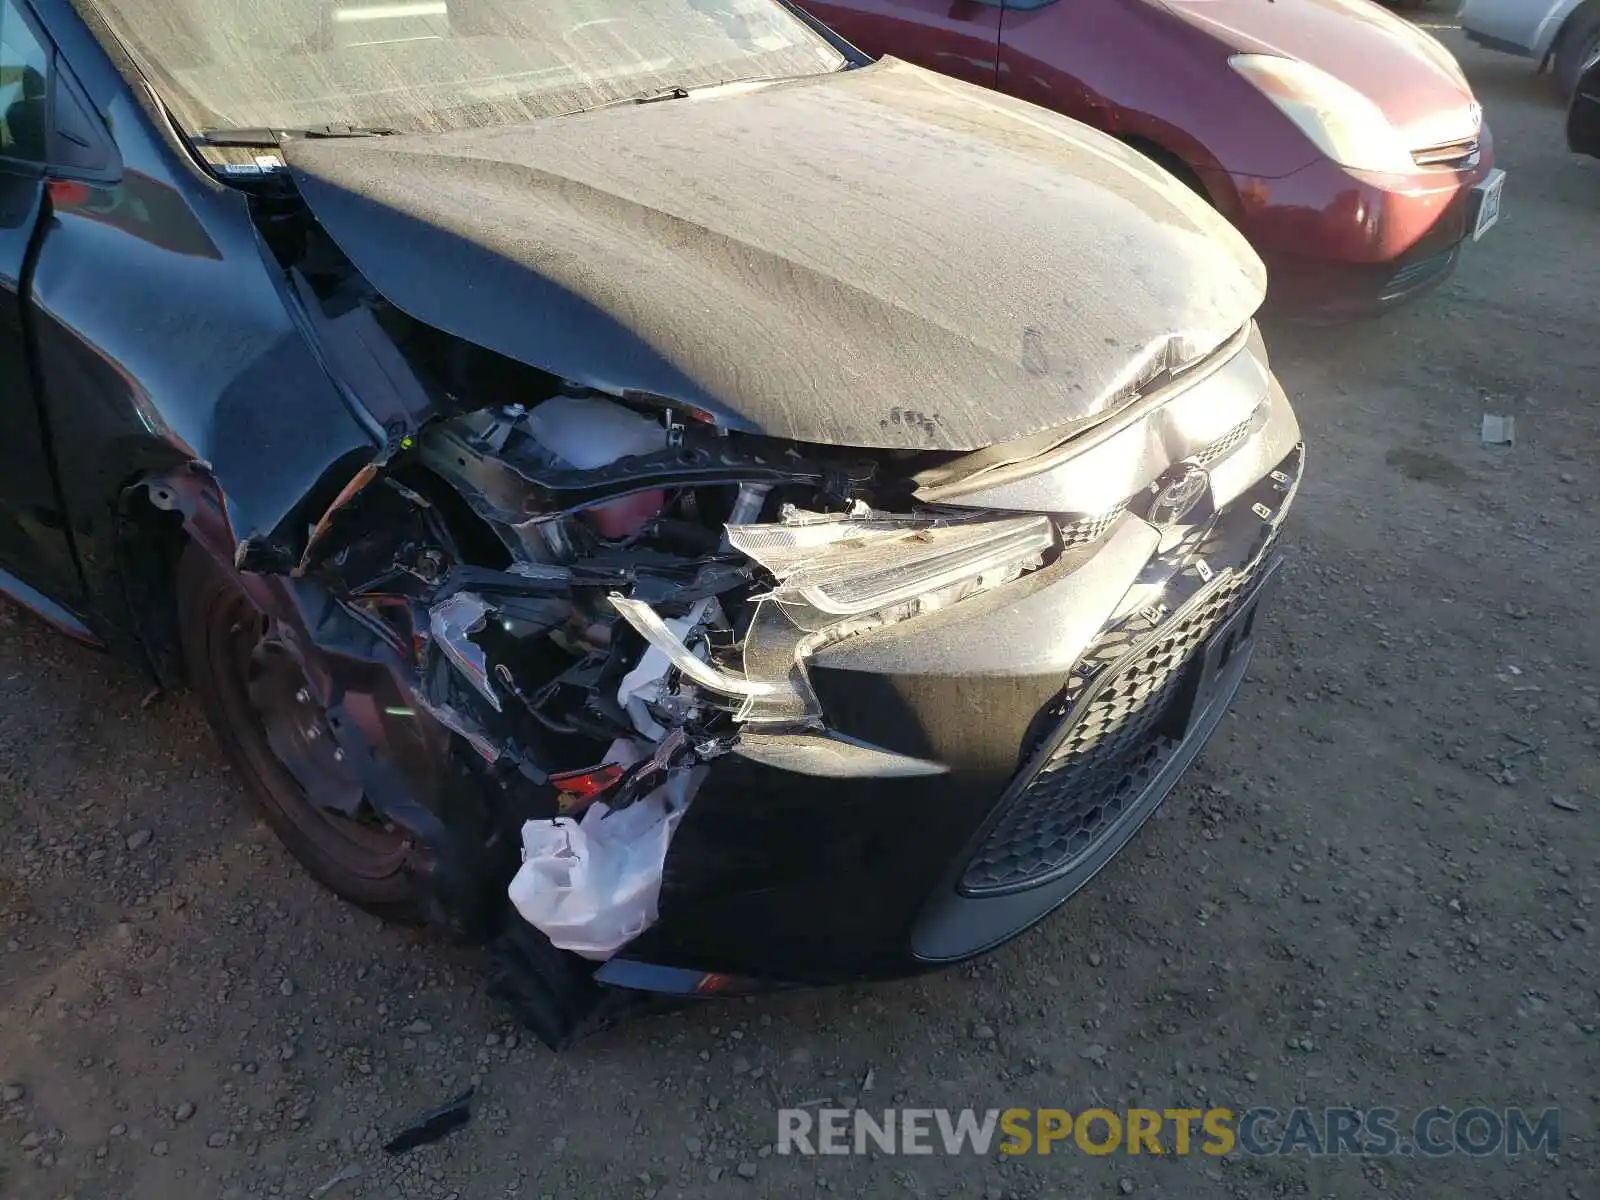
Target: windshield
(415, 65)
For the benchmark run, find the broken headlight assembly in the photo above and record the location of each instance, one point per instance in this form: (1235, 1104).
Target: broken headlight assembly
(834, 575)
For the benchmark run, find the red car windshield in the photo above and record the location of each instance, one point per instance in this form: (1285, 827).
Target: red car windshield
(421, 65)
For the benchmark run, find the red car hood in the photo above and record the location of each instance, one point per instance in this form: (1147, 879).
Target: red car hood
(1408, 74)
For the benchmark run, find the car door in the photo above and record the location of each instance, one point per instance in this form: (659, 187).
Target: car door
(1528, 26)
(35, 548)
(1046, 46)
(954, 37)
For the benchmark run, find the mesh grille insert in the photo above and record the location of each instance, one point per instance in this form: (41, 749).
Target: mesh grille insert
(1117, 742)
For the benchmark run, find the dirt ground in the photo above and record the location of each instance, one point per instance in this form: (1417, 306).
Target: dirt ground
(1377, 888)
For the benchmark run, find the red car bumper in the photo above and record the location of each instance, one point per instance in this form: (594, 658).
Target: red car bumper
(1341, 242)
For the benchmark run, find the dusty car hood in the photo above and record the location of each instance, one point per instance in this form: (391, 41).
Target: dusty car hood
(1408, 74)
(881, 257)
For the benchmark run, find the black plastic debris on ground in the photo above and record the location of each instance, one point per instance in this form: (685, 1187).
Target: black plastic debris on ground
(431, 1126)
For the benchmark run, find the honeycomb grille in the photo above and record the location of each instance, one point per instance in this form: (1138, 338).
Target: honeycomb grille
(1090, 529)
(1117, 742)
(1219, 448)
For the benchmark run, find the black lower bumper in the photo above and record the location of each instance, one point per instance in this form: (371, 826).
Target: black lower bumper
(777, 878)
(1097, 780)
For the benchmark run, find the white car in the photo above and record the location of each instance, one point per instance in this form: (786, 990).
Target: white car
(1561, 34)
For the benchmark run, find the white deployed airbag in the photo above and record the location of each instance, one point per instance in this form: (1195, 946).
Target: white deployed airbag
(592, 885)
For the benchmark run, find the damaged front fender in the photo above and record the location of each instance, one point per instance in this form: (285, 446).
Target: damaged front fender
(357, 679)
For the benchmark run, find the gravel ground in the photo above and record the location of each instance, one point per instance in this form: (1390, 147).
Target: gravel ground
(1377, 887)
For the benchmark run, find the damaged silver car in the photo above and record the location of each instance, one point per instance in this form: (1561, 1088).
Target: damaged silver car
(638, 486)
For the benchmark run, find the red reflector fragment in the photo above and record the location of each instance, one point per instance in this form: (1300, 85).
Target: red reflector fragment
(588, 783)
(67, 193)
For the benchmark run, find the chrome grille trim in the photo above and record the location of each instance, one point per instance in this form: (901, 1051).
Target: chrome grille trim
(1457, 155)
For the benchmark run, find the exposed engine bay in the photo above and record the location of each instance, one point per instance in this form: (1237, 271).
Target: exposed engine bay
(600, 592)
(543, 609)
(565, 567)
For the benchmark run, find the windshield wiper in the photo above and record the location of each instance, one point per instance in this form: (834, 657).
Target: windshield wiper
(667, 93)
(675, 92)
(261, 136)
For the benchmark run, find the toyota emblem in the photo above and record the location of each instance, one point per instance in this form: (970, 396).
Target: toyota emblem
(1177, 492)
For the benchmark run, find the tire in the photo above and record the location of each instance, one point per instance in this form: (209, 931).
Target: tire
(356, 858)
(1579, 39)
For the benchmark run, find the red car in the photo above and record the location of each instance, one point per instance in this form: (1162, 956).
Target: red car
(1344, 142)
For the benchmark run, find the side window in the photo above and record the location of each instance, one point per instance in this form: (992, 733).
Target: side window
(24, 87)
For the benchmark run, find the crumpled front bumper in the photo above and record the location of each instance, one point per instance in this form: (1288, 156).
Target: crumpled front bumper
(1066, 705)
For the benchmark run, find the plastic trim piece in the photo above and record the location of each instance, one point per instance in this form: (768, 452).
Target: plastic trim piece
(46, 609)
(832, 756)
(654, 630)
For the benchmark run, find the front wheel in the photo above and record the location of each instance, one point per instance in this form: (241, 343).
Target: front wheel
(278, 740)
(1580, 39)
